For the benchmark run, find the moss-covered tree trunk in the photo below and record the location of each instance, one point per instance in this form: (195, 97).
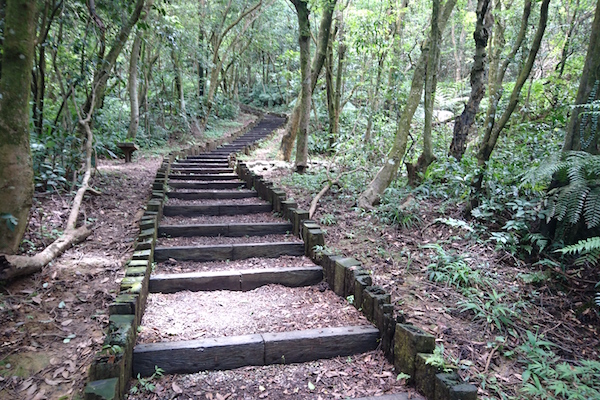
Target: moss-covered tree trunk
(464, 122)
(387, 173)
(583, 130)
(16, 170)
(133, 87)
(306, 89)
(433, 55)
(291, 130)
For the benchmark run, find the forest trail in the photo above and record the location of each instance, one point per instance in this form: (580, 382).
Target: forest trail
(232, 288)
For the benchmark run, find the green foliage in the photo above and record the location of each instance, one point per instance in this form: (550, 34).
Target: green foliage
(438, 360)
(146, 385)
(491, 309)
(576, 193)
(328, 219)
(451, 268)
(399, 208)
(545, 377)
(10, 220)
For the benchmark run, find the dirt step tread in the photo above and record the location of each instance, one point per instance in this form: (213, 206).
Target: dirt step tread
(243, 280)
(216, 209)
(233, 229)
(258, 349)
(229, 251)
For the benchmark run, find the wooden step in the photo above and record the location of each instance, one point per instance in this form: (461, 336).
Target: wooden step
(196, 170)
(200, 164)
(210, 157)
(206, 185)
(244, 280)
(213, 194)
(216, 209)
(232, 230)
(224, 252)
(192, 356)
(203, 177)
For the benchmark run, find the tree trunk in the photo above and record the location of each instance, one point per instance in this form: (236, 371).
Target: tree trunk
(388, 171)
(106, 64)
(306, 89)
(179, 91)
(433, 55)
(134, 101)
(291, 129)
(16, 169)
(493, 130)
(582, 131)
(464, 123)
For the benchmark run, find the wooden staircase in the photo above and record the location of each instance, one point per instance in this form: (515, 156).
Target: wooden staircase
(206, 187)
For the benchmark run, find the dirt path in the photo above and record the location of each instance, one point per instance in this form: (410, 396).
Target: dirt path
(52, 323)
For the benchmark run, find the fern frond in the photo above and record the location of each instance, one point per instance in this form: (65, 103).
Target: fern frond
(570, 202)
(592, 209)
(583, 246)
(545, 170)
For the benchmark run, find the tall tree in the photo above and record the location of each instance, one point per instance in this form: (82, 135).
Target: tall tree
(433, 56)
(464, 122)
(292, 127)
(16, 170)
(582, 130)
(494, 127)
(306, 89)
(388, 171)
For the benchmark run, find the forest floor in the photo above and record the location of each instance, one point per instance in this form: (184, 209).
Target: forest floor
(491, 311)
(52, 323)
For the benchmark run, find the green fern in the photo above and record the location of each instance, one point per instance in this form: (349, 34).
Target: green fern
(578, 193)
(589, 250)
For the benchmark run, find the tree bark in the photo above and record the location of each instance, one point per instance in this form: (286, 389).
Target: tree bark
(134, 101)
(582, 130)
(493, 128)
(388, 171)
(16, 168)
(464, 123)
(291, 129)
(306, 89)
(106, 64)
(433, 55)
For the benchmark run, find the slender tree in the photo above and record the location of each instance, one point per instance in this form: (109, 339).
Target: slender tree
(582, 130)
(292, 128)
(465, 121)
(388, 171)
(494, 127)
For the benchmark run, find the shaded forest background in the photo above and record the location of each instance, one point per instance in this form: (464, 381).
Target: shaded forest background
(487, 107)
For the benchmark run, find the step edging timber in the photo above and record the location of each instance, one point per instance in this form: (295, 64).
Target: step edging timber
(111, 367)
(255, 349)
(401, 343)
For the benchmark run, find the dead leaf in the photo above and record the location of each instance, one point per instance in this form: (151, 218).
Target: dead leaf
(37, 299)
(176, 388)
(53, 383)
(32, 390)
(66, 322)
(25, 384)
(40, 396)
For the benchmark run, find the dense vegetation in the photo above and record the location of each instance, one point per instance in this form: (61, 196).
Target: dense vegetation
(504, 128)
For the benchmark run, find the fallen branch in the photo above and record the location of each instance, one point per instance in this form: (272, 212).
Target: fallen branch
(328, 185)
(15, 266)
